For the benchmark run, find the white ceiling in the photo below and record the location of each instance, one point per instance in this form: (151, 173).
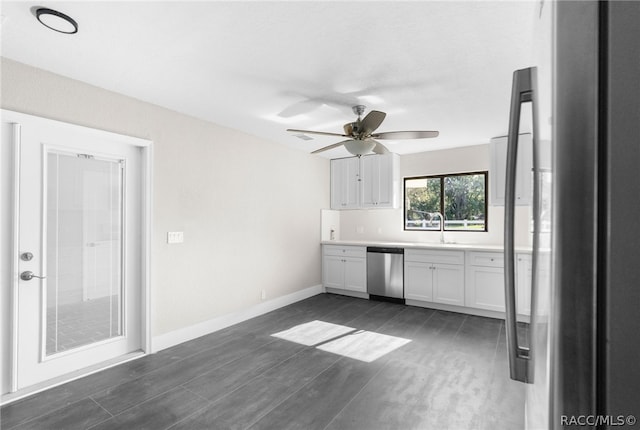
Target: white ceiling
(262, 67)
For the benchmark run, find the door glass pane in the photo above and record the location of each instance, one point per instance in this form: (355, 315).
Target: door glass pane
(84, 204)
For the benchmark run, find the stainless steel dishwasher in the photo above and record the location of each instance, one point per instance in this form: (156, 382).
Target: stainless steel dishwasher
(385, 274)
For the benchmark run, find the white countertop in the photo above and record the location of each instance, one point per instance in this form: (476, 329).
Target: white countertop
(423, 245)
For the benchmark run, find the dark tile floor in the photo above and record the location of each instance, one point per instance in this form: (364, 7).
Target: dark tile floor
(452, 375)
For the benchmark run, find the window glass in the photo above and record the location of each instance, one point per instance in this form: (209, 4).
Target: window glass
(464, 202)
(422, 203)
(460, 200)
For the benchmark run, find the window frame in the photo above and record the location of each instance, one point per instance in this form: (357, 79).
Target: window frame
(442, 177)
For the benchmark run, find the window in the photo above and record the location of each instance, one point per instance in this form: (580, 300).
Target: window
(446, 202)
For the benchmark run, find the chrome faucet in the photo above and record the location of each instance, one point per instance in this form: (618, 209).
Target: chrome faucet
(441, 224)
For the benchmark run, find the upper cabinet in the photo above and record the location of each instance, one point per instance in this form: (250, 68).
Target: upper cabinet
(380, 176)
(497, 174)
(345, 183)
(372, 181)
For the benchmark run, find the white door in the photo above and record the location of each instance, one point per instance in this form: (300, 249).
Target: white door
(79, 252)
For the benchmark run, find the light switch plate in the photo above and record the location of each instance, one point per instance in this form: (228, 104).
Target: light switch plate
(175, 237)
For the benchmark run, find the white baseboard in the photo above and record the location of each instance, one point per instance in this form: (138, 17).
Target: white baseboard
(63, 379)
(176, 337)
(464, 310)
(349, 293)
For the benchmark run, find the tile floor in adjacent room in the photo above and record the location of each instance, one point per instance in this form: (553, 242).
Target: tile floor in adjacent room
(328, 362)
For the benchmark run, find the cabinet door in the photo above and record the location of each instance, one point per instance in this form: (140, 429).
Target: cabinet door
(498, 171)
(387, 182)
(355, 274)
(448, 284)
(379, 180)
(523, 284)
(418, 281)
(345, 184)
(370, 185)
(524, 179)
(333, 271)
(485, 288)
(498, 149)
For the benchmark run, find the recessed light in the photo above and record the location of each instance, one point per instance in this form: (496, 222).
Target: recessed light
(57, 21)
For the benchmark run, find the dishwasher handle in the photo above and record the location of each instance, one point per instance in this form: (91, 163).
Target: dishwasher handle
(381, 250)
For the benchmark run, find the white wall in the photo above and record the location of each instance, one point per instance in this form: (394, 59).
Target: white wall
(388, 224)
(249, 208)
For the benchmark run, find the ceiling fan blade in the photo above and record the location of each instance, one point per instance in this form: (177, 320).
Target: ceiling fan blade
(335, 145)
(371, 122)
(380, 148)
(405, 135)
(348, 128)
(324, 133)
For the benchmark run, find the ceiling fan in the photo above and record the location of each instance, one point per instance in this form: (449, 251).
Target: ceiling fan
(361, 137)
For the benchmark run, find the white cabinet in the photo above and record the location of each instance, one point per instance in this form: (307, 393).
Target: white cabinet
(418, 281)
(380, 180)
(345, 183)
(371, 181)
(434, 276)
(344, 267)
(498, 169)
(523, 283)
(485, 281)
(448, 284)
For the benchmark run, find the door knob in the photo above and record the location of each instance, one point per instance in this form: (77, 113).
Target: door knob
(28, 275)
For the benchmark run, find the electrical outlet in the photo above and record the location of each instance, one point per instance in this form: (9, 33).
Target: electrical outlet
(263, 295)
(175, 237)
(359, 229)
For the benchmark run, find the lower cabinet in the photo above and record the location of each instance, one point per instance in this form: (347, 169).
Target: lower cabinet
(418, 280)
(344, 268)
(485, 282)
(470, 279)
(434, 276)
(485, 288)
(523, 283)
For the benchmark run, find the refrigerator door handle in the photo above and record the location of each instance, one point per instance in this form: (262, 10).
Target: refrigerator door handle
(520, 367)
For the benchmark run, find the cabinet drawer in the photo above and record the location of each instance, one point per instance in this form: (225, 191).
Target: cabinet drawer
(486, 259)
(433, 256)
(345, 251)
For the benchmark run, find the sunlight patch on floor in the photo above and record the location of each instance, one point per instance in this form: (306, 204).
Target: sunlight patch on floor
(364, 345)
(313, 332)
(349, 342)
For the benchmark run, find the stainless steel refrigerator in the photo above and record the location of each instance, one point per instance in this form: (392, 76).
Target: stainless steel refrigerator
(580, 356)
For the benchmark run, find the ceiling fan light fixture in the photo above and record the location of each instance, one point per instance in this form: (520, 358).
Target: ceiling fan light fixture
(359, 147)
(56, 21)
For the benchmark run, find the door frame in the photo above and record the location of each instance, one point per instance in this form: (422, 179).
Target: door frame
(146, 148)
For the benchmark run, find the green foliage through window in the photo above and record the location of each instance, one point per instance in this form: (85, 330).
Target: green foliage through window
(459, 200)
